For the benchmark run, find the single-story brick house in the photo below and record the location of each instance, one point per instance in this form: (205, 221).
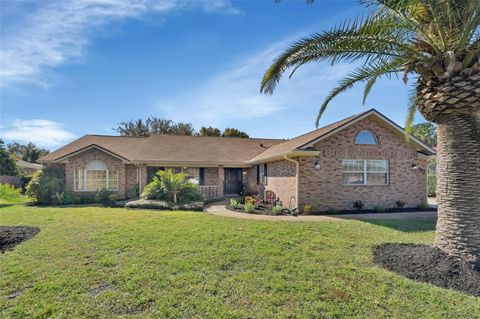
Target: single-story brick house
(364, 157)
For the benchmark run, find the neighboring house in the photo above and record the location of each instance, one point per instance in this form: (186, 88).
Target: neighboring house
(28, 168)
(364, 157)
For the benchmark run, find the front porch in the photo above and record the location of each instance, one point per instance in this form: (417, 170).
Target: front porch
(214, 182)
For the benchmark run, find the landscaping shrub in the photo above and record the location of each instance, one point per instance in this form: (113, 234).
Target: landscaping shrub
(277, 210)
(163, 205)
(148, 204)
(45, 184)
(249, 207)
(358, 205)
(106, 198)
(432, 185)
(63, 198)
(307, 209)
(10, 193)
(133, 192)
(379, 209)
(423, 206)
(400, 204)
(172, 187)
(234, 203)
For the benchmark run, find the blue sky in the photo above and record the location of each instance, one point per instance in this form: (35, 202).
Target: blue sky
(70, 68)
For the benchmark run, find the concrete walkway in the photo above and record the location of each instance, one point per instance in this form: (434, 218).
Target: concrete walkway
(219, 209)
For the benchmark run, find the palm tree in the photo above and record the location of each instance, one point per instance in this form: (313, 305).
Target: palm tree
(174, 184)
(437, 42)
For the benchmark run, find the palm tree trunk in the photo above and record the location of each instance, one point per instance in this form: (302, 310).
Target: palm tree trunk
(454, 105)
(458, 185)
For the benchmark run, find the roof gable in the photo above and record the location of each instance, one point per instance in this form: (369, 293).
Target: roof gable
(306, 141)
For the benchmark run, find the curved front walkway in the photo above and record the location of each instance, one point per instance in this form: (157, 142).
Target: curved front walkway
(219, 209)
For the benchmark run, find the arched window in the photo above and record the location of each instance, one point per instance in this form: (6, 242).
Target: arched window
(95, 177)
(366, 137)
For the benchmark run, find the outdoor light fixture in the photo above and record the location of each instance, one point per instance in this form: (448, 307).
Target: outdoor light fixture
(317, 165)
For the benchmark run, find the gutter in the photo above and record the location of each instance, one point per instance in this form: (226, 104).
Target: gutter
(297, 177)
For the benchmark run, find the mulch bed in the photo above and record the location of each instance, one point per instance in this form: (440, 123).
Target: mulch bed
(429, 264)
(10, 236)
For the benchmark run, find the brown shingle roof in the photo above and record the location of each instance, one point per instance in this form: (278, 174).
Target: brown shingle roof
(299, 141)
(203, 149)
(171, 148)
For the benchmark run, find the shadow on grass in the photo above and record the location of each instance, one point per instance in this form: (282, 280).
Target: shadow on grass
(406, 225)
(3, 205)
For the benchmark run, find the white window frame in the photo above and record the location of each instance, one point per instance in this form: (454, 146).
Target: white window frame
(365, 172)
(85, 180)
(366, 131)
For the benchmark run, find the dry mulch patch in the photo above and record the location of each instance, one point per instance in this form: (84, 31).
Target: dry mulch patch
(10, 236)
(429, 264)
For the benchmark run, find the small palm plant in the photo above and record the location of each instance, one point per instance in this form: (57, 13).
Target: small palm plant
(173, 184)
(438, 43)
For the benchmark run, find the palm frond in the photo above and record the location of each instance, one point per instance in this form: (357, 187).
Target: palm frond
(364, 73)
(412, 108)
(368, 88)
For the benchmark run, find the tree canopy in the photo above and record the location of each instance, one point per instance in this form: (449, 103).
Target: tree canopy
(233, 132)
(429, 39)
(27, 152)
(210, 131)
(425, 132)
(154, 125)
(8, 166)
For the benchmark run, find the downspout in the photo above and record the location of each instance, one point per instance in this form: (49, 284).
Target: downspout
(297, 177)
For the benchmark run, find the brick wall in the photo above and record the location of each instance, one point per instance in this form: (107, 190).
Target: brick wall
(130, 177)
(323, 188)
(281, 180)
(79, 161)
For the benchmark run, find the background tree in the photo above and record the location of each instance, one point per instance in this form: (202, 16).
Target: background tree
(438, 42)
(8, 166)
(27, 152)
(233, 132)
(210, 131)
(426, 132)
(154, 125)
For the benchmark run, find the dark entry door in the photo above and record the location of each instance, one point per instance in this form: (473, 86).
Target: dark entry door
(233, 180)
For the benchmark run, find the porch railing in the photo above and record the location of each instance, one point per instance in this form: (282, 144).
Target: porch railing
(210, 191)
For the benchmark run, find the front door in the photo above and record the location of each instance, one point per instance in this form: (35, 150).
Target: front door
(233, 180)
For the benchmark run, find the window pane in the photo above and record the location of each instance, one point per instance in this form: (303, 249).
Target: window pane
(352, 178)
(365, 137)
(112, 180)
(376, 178)
(193, 174)
(377, 166)
(352, 165)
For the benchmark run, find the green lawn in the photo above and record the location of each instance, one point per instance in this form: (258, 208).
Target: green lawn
(97, 262)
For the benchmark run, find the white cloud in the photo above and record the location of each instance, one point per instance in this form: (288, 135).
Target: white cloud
(41, 132)
(54, 33)
(233, 95)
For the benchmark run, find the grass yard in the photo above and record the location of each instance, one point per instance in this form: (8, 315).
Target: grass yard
(92, 262)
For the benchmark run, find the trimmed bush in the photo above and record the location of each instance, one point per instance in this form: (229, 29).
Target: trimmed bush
(106, 198)
(432, 185)
(163, 205)
(379, 209)
(45, 184)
